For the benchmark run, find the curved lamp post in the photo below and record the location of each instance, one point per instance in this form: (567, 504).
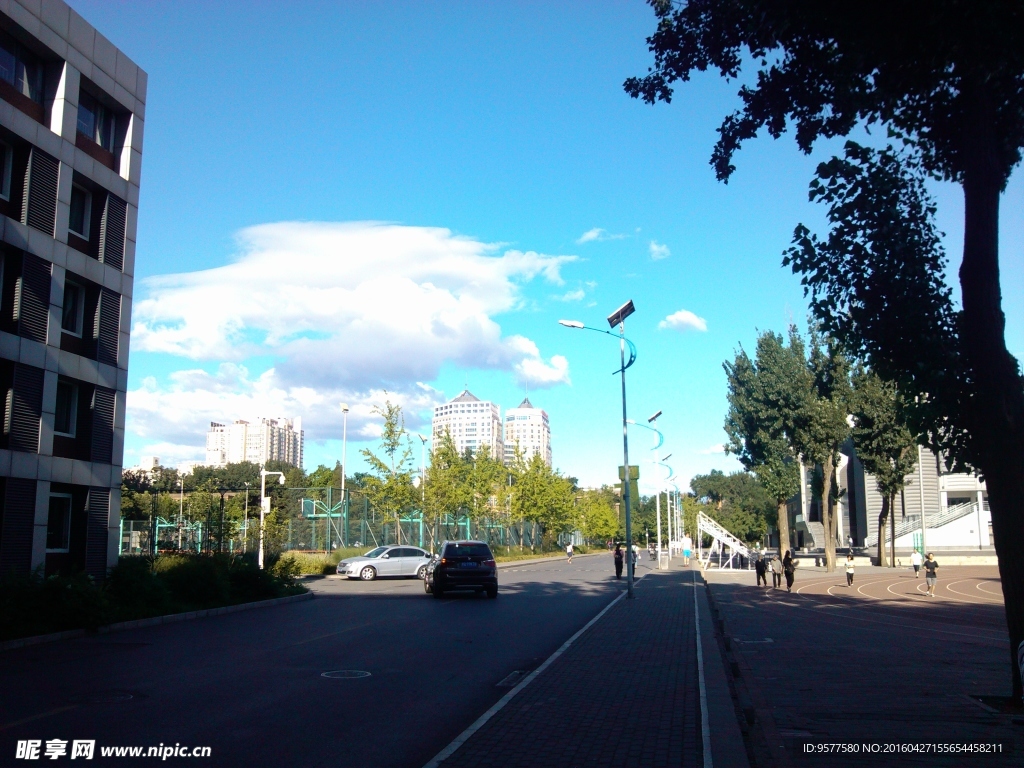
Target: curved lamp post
(618, 318)
(660, 441)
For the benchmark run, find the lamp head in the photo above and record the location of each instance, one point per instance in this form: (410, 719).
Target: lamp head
(571, 323)
(620, 314)
(280, 479)
(654, 418)
(344, 407)
(667, 457)
(630, 421)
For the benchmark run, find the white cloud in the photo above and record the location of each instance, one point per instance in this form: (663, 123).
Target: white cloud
(682, 320)
(714, 449)
(597, 234)
(331, 312)
(578, 295)
(658, 251)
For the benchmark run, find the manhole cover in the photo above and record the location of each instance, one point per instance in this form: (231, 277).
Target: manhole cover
(345, 674)
(749, 642)
(103, 697)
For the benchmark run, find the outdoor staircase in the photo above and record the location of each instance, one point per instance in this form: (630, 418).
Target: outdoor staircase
(722, 540)
(817, 531)
(911, 524)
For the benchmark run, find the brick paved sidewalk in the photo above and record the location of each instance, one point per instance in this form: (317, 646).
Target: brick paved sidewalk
(624, 694)
(877, 664)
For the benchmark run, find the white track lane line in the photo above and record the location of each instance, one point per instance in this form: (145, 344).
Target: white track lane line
(984, 600)
(904, 594)
(981, 588)
(705, 727)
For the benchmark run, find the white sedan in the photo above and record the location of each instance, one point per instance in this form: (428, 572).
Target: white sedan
(399, 561)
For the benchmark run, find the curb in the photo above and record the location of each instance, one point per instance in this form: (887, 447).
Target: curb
(552, 558)
(170, 618)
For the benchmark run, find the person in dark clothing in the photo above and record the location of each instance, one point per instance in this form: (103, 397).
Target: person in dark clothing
(618, 561)
(760, 567)
(789, 568)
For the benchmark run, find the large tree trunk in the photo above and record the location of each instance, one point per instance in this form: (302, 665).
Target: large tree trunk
(783, 510)
(827, 518)
(881, 530)
(996, 420)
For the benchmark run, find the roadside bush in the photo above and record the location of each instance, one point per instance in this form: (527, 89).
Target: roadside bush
(136, 590)
(31, 604)
(197, 581)
(308, 563)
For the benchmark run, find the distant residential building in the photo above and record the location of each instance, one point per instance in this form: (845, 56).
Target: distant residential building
(472, 423)
(256, 442)
(528, 428)
(188, 467)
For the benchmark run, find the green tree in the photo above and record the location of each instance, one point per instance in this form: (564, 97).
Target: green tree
(595, 514)
(946, 79)
(765, 397)
(446, 490)
(389, 486)
(738, 501)
(822, 426)
(884, 443)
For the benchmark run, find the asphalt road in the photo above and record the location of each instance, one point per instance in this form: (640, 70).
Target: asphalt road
(250, 686)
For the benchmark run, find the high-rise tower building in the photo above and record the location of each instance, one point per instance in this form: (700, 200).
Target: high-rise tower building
(472, 423)
(71, 116)
(528, 428)
(267, 440)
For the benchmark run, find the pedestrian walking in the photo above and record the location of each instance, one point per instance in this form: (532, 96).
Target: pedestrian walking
(789, 569)
(687, 548)
(776, 568)
(761, 567)
(618, 555)
(849, 570)
(634, 553)
(915, 560)
(931, 573)
(568, 551)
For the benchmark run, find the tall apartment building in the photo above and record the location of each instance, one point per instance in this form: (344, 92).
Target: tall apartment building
(71, 117)
(267, 440)
(472, 422)
(528, 428)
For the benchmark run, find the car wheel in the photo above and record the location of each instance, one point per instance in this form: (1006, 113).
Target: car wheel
(422, 572)
(492, 592)
(426, 587)
(368, 573)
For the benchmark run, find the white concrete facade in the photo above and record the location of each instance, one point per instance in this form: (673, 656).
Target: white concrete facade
(472, 423)
(259, 442)
(528, 429)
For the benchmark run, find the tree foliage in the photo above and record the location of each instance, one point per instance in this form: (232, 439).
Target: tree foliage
(738, 501)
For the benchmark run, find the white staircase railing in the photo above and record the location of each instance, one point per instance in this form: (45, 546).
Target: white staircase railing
(722, 540)
(912, 524)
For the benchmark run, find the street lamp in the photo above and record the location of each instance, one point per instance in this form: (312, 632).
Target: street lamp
(618, 318)
(423, 483)
(265, 505)
(344, 440)
(659, 441)
(245, 528)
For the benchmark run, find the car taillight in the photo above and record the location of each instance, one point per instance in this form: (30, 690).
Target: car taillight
(490, 563)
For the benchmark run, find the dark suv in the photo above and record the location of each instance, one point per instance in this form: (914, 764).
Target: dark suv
(462, 565)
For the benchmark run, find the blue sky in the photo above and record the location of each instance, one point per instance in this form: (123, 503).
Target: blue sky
(343, 199)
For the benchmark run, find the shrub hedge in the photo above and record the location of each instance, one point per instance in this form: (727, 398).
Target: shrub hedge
(138, 587)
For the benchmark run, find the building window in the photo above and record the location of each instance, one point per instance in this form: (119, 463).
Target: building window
(74, 308)
(96, 121)
(6, 161)
(58, 523)
(21, 70)
(81, 211)
(66, 411)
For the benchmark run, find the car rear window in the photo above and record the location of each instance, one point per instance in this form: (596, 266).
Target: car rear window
(468, 550)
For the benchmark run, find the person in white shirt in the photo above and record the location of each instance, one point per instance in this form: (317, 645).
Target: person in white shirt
(915, 560)
(568, 551)
(849, 570)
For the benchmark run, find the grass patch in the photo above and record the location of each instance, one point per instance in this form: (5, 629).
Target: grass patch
(138, 588)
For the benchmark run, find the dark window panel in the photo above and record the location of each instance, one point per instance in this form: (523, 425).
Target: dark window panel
(112, 230)
(98, 510)
(26, 408)
(40, 200)
(102, 425)
(32, 297)
(108, 318)
(19, 514)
